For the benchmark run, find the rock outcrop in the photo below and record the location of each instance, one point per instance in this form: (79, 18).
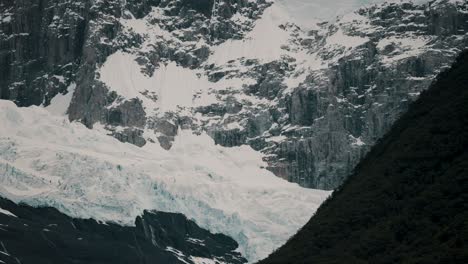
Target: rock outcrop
(41, 48)
(44, 235)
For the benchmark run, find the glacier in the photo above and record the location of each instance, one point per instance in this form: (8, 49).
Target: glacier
(46, 160)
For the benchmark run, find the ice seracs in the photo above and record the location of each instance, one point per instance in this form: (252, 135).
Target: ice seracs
(46, 160)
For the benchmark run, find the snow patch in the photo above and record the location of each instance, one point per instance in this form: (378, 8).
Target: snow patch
(402, 47)
(198, 260)
(6, 212)
(263, 43)
(357, 141)
(342, 39)
(169, 88)
(60, 103)
(305, 10)
(178, 254)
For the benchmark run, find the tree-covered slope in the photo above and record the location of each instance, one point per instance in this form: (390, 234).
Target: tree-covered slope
(407, 201)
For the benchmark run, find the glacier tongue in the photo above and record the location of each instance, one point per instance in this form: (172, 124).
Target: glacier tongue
(47, 161)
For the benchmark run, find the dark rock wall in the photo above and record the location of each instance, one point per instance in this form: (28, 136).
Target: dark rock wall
(41, 45)
(44, 235)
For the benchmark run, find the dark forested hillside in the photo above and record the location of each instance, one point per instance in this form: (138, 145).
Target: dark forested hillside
(407, 201)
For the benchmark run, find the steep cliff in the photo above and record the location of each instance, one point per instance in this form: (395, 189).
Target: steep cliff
(312, 101)
(41, 48)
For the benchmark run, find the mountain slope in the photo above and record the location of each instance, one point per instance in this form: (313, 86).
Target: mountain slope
(44, 235)
(215, 99)
(312, 101)
(407, 200)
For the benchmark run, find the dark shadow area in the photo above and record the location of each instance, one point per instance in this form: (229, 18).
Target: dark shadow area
(46, 236)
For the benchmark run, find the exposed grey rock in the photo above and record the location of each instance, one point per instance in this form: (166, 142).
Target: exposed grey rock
(41, 47)
(312, 132)
(133, 136)
(230, 138)
(332, 119)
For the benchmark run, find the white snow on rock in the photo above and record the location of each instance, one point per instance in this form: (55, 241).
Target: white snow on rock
(170, 87)
(46, 160)
(404, 47)
(198, 260)
(341, 39)
(123, 75)
(60, 103)
(303, 11)
(6, 212)
(265, 42)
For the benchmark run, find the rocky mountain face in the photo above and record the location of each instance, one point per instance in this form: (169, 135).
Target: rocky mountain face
(41, 48)
(44, 235)
(407, 200)
(312, 101)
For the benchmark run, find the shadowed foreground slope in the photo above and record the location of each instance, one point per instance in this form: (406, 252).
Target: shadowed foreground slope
(407, 201)
(31, 235)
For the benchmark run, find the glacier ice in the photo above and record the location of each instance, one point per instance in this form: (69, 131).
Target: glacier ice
(47, 161)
